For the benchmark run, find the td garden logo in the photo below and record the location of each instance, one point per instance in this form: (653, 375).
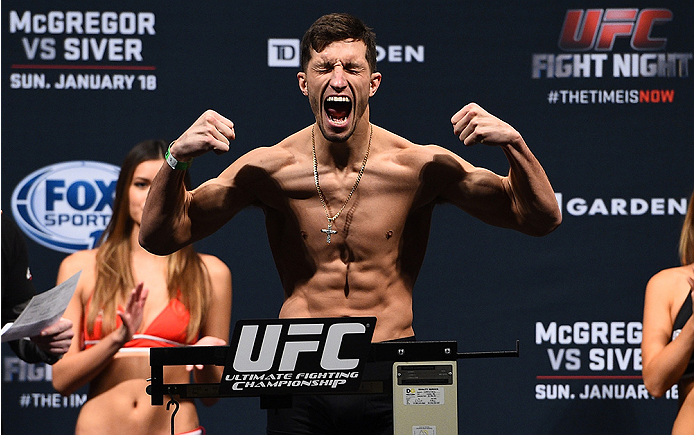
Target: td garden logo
(66, 206)
(286, 52)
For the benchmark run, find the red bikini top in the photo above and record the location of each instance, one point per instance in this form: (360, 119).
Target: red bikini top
(168, 329)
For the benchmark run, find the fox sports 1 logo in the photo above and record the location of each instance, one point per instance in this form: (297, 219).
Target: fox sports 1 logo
(66, 206)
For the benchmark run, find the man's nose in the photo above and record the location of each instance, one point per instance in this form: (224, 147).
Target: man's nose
(337, 81)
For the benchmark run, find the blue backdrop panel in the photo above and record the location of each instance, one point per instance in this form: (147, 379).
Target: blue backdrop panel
(609, 118)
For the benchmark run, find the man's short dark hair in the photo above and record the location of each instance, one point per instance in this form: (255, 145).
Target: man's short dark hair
(337, 27)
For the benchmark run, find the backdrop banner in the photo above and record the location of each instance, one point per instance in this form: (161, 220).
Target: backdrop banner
(601, 92)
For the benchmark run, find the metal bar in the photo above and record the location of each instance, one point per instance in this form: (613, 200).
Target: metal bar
(492, 354)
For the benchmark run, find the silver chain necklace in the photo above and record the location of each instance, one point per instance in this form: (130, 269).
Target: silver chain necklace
(329, 231)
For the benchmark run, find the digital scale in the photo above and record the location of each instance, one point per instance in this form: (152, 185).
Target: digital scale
(275, 359)
(425, 398)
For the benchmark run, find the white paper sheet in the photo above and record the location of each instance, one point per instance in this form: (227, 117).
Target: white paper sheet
(43, 310)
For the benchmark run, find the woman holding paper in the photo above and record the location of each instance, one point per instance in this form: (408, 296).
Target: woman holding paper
(52, 342)
(128, 300)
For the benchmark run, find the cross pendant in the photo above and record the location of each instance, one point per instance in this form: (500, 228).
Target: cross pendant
(329, 231)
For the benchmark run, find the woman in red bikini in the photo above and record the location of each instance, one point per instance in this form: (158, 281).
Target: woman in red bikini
(128, 300)
(668, 330)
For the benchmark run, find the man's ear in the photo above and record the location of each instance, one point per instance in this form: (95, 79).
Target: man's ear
(301, 76)
(375, 83)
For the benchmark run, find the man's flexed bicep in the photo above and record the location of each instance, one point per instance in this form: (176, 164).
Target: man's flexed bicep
(174, 217)
(482, 194)
(165, 226)
(527, 202)
(215, 202)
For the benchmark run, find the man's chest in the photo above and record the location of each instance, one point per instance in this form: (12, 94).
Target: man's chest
(336, 209)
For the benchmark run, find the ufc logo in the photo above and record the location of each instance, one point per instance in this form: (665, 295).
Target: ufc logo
(598, 28)
(267, 357)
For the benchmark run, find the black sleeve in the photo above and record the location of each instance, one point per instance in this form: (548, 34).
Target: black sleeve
(17, 288)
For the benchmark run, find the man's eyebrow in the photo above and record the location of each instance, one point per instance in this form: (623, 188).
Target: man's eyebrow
(353, 64)
(345, 64)
(322, 63)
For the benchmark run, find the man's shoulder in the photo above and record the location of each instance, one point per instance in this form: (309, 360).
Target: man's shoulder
(287, 151)
(399, 147)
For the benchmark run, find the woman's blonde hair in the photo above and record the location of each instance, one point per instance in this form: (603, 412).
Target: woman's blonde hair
(114, 278)
(687, 236)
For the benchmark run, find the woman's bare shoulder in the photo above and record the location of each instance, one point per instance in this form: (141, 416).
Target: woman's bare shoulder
(215, 266)
(671, 281)
(79, 260)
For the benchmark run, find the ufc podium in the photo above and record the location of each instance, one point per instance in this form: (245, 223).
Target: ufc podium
(275, 359)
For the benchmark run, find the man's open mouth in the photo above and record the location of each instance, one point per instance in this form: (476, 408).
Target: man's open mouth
(338, 108)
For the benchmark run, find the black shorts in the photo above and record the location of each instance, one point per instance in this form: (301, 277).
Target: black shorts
(335, 414)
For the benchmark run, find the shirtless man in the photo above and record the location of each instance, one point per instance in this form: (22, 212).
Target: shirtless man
(348, 204)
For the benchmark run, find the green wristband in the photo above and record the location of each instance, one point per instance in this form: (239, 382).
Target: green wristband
(175, 164)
